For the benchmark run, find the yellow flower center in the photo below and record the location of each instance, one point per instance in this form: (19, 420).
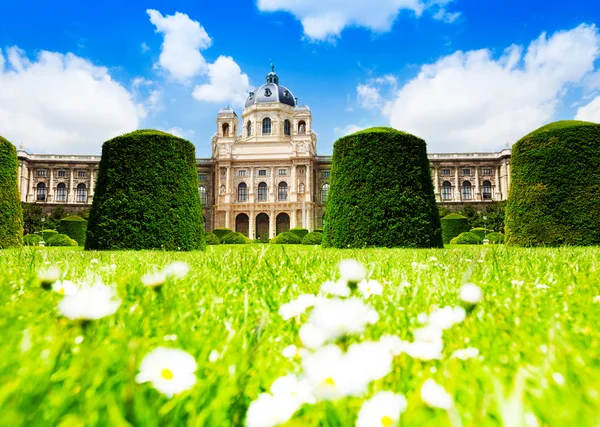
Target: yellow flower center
(166, 374)
(329, 381)
(61, 291)
(386, 421)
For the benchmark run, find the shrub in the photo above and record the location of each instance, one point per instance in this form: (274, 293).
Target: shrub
(222, 232)
(286, 238)
(466, 238)
(318, 230)
(74, 227)
(555, 182)
(495, 238)
(480, 231)
(453, 225)
(32, 240)
(313, 238)
(11, 213)
(381, 192)
(235, 238)
(61, 240)
(146, 195)
(48, 234)
(212, 239)
(300, 232)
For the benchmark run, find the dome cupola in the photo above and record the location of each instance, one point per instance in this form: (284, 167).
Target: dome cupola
(271, 92)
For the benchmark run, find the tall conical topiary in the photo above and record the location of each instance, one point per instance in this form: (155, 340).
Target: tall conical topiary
(554, 196)
(452, 225)
(11, 213)
(381, 192)
(146, 195)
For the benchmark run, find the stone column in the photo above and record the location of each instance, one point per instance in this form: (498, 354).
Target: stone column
(251, 197)
(436, 184)
(227, 184)
(309, 184)
(293, 191)
(91, 189)
(30, 184)
(507, 179)
(273, 193)
(50, 197)
(294, 218)
(272, 224)
(304, 222)
(457, 194)
(251, 225)
(70, 196)
(228, 219)
(476, 192)
(497, 189)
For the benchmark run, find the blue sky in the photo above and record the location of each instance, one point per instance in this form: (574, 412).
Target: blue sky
(466, 75)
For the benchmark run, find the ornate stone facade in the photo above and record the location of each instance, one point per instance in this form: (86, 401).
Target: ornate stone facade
(265, 176)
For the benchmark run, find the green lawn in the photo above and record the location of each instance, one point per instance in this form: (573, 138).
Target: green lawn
(539, 341)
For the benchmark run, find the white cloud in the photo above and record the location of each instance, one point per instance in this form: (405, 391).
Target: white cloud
(325, 19)
(177, 131)
(183, 40)
(350, 129)
(62, 103)
(145, 48)
(226, 83)
(470, 101)
(590, 112)
(376, 93)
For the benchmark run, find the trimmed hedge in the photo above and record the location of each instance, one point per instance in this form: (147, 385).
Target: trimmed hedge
(48, 234)
(32, 240)
(480, 231)
(222, 232)
(146, 195)
(235, 238)
(554, 196)
(381, 192)
(212, 239)
(313, 238)
(453, 225)
(286, 238)
(61, 240)
(495, 238)
(466, 238)
(11, 213)
(300, 232)
(75, 227)
(318, 230)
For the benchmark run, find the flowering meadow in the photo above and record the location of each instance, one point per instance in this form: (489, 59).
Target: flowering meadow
(265, 335)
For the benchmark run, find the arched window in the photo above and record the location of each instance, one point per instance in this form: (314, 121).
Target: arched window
(287, 128)
(466, 190)
(242, 192)
(487, 190)
(61, 192)
(263, 192)
(282, 191)
(203, 195)
(266, 128)
(301, 127)
(446, 191)
(242, 224)
(324, 193)
(41, 191)
(282, 223)
(225, 129)
(81, 193)
(249, 128)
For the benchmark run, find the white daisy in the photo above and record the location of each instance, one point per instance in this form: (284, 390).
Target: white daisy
(170, 370)
(470, 294)
(65, 287)
(177, 270)
(154, 280)
(435, 396)
(352, 271)
(339, 288)
(465, 353)
(337, 317)
(90, 303)
(370, 287)
(48, 276)
(382, 410)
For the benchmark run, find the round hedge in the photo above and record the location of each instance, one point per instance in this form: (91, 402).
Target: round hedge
(212, 239)
(235, 238)
(75, 227)
(286, 238)
(61, 240)
(453, 225)
(11, 213)
(381, 192)
(32, 240)
(466, 238)
(48, 234)
(495, 238)
(313, 238)
(146, 195)
(222, 232)
(554, 196)
(300, 232)
(480, 231)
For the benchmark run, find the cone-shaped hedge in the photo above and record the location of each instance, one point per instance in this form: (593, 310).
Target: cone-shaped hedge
(75, 227)
(11, 213)
(381, 192)
(453, 225)
(554, 196)
(146, 195)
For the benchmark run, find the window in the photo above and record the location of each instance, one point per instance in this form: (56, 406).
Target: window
(243, 172)
(487, 190)
(282, 191)
(61, 174)
(287, 128)
(466, 172)
(268, 92)
(466, 190)
(262, 172)
(446, 191)
(242, 224)
(446, 172)
(41, 172)
(282, 223)
(225, 129)
(301, 127)
(324, 193)
(325, 174)
(263, 193)
(81, 193)
(61, 192)
(266, 128)
(201, 177)
(249, 128)
(282, 172)
(41, 191)
(203, 195)
(81, 174)
(242, 192)
(486, 171)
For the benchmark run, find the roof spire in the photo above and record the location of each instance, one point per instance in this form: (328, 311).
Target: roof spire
(272, 66)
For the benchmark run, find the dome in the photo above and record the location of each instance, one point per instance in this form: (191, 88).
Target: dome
(302, 108)
(227, 110)
(271, 92)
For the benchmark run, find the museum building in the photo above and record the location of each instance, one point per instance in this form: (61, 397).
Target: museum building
(265, 176)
